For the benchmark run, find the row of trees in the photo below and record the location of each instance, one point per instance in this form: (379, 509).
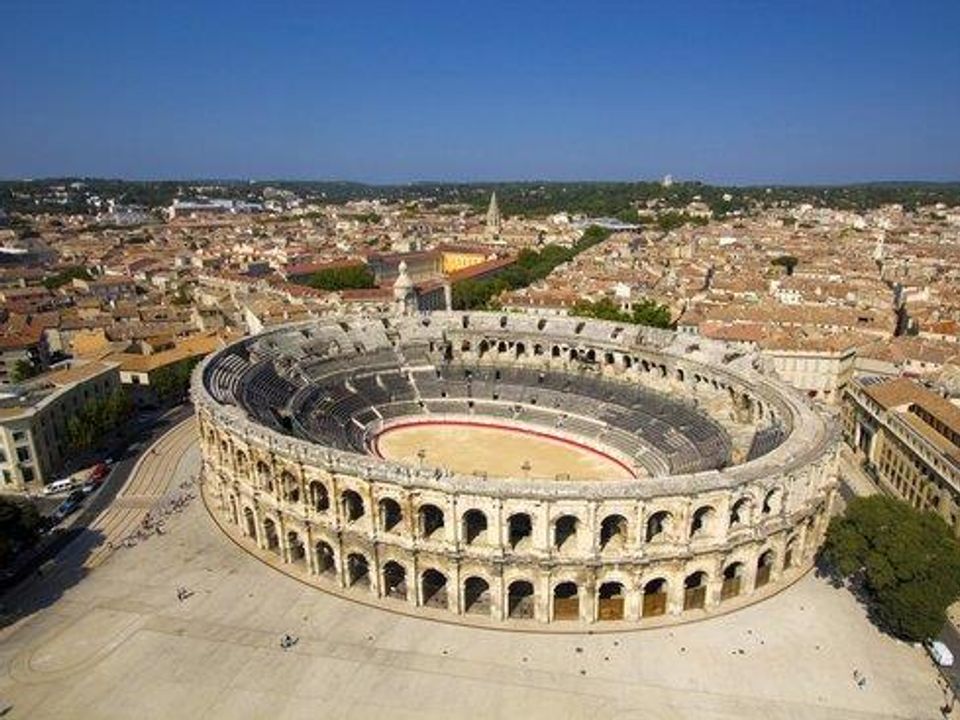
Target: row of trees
(904, 563)
(531, 266)
(95, 420)
(646, 312)
(351, 277)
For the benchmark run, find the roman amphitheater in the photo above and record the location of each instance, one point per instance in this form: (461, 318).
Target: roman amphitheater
(515, 471)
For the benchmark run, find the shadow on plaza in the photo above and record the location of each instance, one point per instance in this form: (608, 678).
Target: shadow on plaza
(57, 566)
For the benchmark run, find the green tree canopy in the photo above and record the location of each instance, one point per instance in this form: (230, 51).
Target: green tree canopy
(645, 312)
(351, 277)
(787, 262)
(19, 526)
(908, 562)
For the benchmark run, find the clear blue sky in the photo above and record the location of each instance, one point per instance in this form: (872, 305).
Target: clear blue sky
(740, 92)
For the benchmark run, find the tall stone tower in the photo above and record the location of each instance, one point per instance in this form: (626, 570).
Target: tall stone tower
(493, 216)
(404, 293)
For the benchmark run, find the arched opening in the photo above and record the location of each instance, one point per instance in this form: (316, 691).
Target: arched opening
(474, 526)
(482, 348)
(565, 533)
(264, 476)
(732, 575)
(520, 599)
(241, 460)
(250, 522)
(289, 487)
(655, 597)
(658, 525)
(520, 349)
(394, 580)
(319, 499)
(613, 532)
(358, 571)
(764, 567)
(429, 520)
(788, 555)
(739, 513)
(295, 549)
(476, 596)
(566, 601)
(270, 532)
(555, 351)
(519, 530)
(771, 502)
(610, 600)
(433, 588)
(702, 521)
(502, 346)
(465, 346)
(352, 505)
(538, 350)
(390, 514)
(695, 591)
(325, 561)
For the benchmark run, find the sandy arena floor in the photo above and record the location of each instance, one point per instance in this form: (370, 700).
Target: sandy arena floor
(497, 451)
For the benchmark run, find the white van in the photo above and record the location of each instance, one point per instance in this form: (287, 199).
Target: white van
(58, 486)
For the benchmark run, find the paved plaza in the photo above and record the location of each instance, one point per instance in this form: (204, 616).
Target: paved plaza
(114, 641)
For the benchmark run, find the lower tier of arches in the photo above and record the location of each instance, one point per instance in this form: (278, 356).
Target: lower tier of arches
(669, 589)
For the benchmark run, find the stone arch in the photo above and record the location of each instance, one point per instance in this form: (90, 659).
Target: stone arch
(789, 554)
(326, 560)
(289, 486)
(264, 476)
(394, 580)
(519, 530)
(474, 526)
(772, 501)
(764, 567)
(391, 514)
(610, 601)
(658, 526)
(521, 599)
(249, 523)
(296, 551)
(613, 532)
(565, 533)
(358, 570)
(318, 495)
(271, 535)
(740, 513)
(352, 505)
(655, 597)
(732, 580)
(430, 521)
(695, 590)
(433, 588)
(702, 521)
(476, 595)
(566, 601)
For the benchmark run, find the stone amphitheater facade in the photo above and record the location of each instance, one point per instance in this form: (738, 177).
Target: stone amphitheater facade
(665, 546)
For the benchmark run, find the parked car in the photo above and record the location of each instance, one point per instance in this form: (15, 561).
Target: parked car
(66, 508)
(58, 486)
(99, 471)
(939, 652)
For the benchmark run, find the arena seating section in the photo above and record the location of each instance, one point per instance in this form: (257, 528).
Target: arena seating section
(329, 384)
